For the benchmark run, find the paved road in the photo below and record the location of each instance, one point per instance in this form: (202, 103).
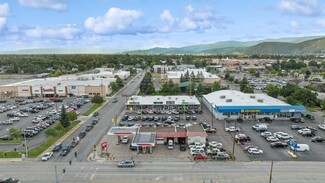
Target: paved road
(109, 111)
(230, 172)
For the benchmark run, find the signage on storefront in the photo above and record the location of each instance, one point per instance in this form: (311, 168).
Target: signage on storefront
(252, 111)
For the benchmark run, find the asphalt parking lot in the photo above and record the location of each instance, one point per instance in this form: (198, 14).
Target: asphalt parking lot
(281, 154)
(27, 122)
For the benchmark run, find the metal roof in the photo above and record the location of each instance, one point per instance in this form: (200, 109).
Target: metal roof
(163, 100)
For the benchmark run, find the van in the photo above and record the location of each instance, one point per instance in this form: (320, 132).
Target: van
(170, 144)
(302, 147)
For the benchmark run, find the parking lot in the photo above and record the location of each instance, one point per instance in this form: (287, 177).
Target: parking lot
(25, 122)
(281, 154)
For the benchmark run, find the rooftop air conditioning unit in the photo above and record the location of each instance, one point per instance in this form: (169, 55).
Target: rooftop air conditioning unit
(229, 100)
(252, 96)
(157, 98)
(222, 96)
(260, 100)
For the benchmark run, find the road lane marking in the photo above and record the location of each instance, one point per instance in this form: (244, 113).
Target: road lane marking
(92, 176)
(85, 176)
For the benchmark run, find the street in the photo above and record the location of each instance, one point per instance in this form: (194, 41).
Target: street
(109, 111)
(250, 172)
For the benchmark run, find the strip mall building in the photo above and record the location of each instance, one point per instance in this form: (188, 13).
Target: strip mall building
(230, 104)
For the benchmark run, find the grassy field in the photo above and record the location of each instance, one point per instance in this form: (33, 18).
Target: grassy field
(92, 109)
(40, 149)
(156, 76)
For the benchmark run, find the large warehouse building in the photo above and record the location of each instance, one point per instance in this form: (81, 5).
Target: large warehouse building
(230, 104)
(61, 86)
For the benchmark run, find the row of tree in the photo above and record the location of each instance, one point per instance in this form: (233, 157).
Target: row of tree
(146, 85)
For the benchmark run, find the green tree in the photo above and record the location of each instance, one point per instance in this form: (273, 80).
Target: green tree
(72, 115)
(97, 99)
(58, 127)
(252, 71)
(288, 89)
(14, 133)
(248, 89)
(81, 67)
(64, 118)
(272, 90)
(291, 100)
(216, 86)
(306, 97)
(57, 73)
(113, 86)
(150, 89)
(119, 81)
(50, 132)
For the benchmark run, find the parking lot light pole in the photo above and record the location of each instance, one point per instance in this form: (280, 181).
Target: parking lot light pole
(212, 115)
(234, 142)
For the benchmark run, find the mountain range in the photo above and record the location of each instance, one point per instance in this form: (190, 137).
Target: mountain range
(287, 46)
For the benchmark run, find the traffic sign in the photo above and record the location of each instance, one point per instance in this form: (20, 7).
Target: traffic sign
(113, 120)
(104, 145)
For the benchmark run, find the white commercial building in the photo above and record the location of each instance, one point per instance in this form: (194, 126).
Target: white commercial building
(231, 104)
(200, 75)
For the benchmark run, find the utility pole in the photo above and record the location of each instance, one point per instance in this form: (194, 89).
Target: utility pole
(234, 142)
(271, 171)
(212, 115)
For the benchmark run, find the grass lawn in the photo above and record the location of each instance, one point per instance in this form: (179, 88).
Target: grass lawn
(156, 76)
(92, 109)
(11, 141)
(40, 149)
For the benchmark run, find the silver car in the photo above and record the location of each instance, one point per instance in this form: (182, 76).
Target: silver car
(126, 163)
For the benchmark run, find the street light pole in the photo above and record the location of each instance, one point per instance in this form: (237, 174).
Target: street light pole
(212, 115)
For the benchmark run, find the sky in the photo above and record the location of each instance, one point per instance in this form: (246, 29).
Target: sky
(143, 24)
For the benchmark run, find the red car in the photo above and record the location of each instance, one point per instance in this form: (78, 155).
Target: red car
(200, 156)
(248, 147)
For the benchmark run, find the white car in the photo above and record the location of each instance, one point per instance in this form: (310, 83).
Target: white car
(23, 114)
(232, 129)
(285, 136)
(255, 151)
(215, 144)
(196, 151)
(304, 130)
(265, 134)
(196, 144)
(125, 139)
(321, 127)
(278, 134)
(197, 148)
(272, 139)
(14, 119)
(47, 156)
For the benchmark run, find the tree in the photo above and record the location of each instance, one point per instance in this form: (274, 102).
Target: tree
(248, 89)
(14, 133)
(119, 81)
(97, 99)
(150, 89)
(72, 115)
(64, 118)
(288, 89)
(252, 71)
(113, 86)
(272, 90)
(57, 73)
(257, 74)
(216, 86)
(292, 101)
(306, 97)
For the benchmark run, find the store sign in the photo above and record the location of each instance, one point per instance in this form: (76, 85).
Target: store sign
(252, 111)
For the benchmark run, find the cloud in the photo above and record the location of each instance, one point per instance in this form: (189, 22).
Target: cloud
(4, 13)
(199, 20)
(4, 10)
(58, 5)
(320, 23)
(301, 7)
(117, 21)
(294, 24)
(66, 32)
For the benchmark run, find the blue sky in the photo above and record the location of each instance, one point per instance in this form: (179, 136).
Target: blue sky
(142, 24)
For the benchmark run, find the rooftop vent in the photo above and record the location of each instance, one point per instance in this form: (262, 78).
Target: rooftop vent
(252, 96)
(229, 100)
(260, 100)
(223, 96)
(157, 98)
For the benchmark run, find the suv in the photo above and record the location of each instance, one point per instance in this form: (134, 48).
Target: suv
(57, 147)
(114, 100)
(309, 116)
(125, 139)
(95, 114)
(221, 156)
(242, 138)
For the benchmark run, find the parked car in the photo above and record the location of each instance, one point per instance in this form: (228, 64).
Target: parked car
(82, 134)
(279, 144)
(215, 144)
(182, 147)
(9, 180)
(295, 127)
(125, 139)
(232, 129)
(199, 156)
(74, 143)
(5, 137)
(114, 100)
(322, 127)
(89, 127)
(126, 163)
(246, 148)
(266, 134)
(242, 138)
(255, 151)
(272, 139)
(47, 156)
(220, 156)
(317, 139)
(309, 116)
